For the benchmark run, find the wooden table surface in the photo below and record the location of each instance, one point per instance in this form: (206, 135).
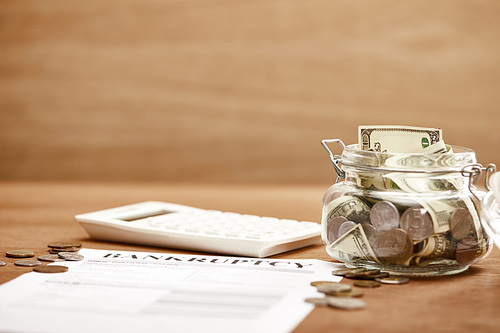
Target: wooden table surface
(32, 214)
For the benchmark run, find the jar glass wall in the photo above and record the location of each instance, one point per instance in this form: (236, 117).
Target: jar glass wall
(409, 214)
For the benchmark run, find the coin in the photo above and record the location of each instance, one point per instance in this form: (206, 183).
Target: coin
(345, 227)
(417, 222)
(346, 303)
(27, 263)
(394, 246)
(342, 272)
(50, 269)
(333, 226)
(50, 257)
(349, 293)
(2, 263)
(20, 254)
(315, 283)
(317, 300)
(461, 222)
(71, 256)
(334, 287)
(467, 251)
(384, 216)
(60, 245)
(366, 273)
(367, 284)
(66, 249)
(394, 280)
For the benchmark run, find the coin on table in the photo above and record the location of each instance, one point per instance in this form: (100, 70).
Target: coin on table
(317, 300)
(51, 258)
(346, 303)
(60, 245)
(27, 263)
(315, 283)
(367, 284)
(20, 254)
(461, 222)
(349, 293)
(384, 216)
(66, 249)
(50, 269)
(365, 274)
(394, 280)
(334, 287)
(343, 271)
(2, 263)
(71, 256)
(417, 222)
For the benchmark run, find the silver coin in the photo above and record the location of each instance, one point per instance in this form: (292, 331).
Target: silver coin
(417, 222)
(51, 258)
(346, 303)
(2, 263)
(384, 216)
(27, 263)
(333, 226)
(71, 256)
(346, 227)
(317, 300)
(394, 280)
(334, 287)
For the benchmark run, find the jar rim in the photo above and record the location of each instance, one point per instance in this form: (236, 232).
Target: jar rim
(354, 158)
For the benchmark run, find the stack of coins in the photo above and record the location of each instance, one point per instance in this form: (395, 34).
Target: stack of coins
(58, 251)
(344, 296)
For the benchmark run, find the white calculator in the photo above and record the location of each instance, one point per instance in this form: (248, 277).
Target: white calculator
(183, 227)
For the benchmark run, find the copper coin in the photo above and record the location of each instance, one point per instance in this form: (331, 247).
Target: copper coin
(417, 222)
(66, 249)
(367, 284)
(20, 253)
(461, 222)
(50, 269)
(27, 263)
(395, 246)
(60, 245)
(332, 227)
(384, 216)
(467, 251)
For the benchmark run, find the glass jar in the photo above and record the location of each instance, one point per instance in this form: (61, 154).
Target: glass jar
(407, 214)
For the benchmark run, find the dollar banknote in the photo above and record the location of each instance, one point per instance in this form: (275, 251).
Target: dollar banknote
(398, 139)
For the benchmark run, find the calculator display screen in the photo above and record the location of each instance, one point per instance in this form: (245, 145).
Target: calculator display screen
(135, 217)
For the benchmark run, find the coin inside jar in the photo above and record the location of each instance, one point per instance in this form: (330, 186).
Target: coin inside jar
(417, 222)
(384, 216)
(395, 246)
(333, 226)
(461, 222)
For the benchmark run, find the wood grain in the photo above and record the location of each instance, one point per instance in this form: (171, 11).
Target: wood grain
(32, 214)
(235, 91)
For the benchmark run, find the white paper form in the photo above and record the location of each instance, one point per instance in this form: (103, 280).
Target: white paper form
(121, 291)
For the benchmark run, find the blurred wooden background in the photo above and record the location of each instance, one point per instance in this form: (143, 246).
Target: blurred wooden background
(235, 91)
